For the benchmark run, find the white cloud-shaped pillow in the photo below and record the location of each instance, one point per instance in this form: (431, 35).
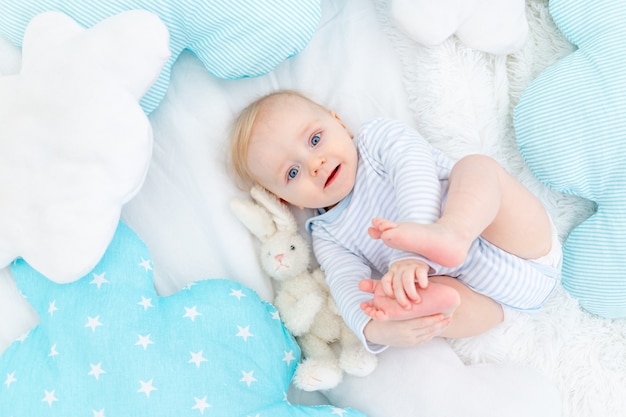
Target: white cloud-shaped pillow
(75, 145)
(493, 26)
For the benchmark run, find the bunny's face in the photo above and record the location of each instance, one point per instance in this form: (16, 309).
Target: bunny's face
(285, 255)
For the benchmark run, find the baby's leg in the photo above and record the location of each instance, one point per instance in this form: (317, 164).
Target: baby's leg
(475, 314)
(483, 200)
(520, 225)
(436, 298)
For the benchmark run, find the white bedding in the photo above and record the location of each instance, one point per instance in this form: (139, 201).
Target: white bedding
(559, 361)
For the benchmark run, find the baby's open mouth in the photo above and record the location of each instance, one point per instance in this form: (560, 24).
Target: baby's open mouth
(332, 176)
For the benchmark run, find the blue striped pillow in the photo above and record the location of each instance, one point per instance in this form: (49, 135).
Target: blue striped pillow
(233, 39)
(571, 129)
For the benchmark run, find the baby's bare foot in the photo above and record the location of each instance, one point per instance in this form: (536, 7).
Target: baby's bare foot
(436, 298)
(437, 242)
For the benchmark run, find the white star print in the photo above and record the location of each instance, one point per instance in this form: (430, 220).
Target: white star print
(201, 404)
(96, 370)
(248, 377)
(99, 413)
(191, 313)
(144, 341)
(10, 379)
(338, 411)
(49, 397)
(289, 357)
(53, 351)
(145, 302)
(237, 293)
(197, 358)
(275, 315)
(93, 322)
(145, 263)
(244, 332)
(23, 337)
(146, 388)
(98, 279)
(52, 307)
(188, 286)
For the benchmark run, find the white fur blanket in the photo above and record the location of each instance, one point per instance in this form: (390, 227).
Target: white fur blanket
(462, 102)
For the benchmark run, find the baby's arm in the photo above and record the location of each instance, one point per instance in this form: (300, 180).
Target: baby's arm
(343, 270)
(413, 166)
(418, 174)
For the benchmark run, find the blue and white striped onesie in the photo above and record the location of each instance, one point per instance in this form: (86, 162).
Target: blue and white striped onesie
(401, 177)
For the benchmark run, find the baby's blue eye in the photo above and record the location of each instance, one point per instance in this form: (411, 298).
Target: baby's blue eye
(315, 139)
(293, 173)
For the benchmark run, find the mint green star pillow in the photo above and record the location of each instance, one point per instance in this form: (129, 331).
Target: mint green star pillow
(108, 346)
(233, 39)
(571, 129)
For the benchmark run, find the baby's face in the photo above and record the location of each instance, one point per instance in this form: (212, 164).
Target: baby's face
(302, 153)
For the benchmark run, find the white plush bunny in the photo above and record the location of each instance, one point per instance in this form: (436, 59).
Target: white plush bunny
(303, 299)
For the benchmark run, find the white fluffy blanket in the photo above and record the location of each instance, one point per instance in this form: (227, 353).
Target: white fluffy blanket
(462, 101)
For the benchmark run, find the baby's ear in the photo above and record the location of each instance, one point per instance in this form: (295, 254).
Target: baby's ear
(336, 116)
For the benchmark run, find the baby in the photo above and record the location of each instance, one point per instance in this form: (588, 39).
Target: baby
(446, 237)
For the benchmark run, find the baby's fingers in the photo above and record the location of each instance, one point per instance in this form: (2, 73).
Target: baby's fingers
(386, 283)
(421, 276)
(409, 287)
(399, 289)
(426, 328)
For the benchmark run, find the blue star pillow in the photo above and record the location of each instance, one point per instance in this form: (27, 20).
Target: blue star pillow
(233, 39)
(107, 346)
(571, 129)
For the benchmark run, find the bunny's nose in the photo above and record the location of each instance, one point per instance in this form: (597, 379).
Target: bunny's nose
(279, 257)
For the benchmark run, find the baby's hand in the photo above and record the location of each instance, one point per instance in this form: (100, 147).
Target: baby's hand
(405, 333)
(399, 281)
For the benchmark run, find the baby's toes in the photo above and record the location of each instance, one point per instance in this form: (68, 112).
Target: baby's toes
(383, 224)
(373, 232)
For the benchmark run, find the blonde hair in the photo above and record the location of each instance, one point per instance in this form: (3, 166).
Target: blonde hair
(241, 133)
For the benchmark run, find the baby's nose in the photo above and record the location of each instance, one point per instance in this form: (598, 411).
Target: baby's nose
(316, 164)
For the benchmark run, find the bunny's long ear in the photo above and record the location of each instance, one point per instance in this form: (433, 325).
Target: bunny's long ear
(256, 218)
(283, 217)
